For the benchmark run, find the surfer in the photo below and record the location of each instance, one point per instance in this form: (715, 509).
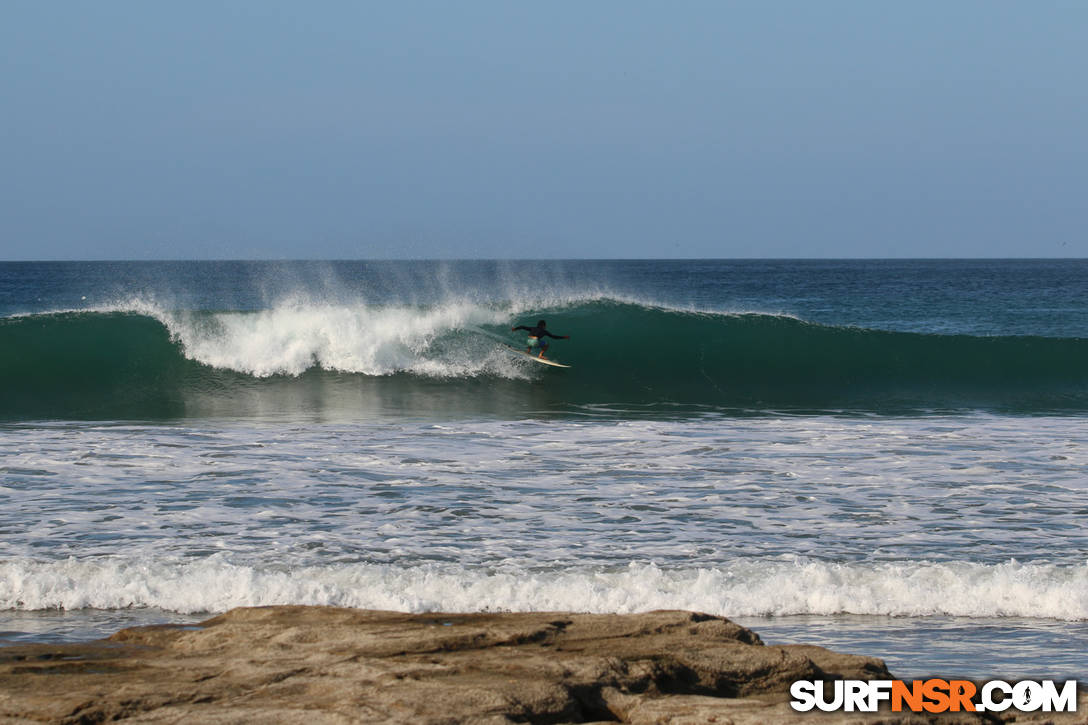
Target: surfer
(536, 337)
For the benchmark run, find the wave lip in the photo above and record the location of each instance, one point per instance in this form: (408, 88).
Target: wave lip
(745, 588)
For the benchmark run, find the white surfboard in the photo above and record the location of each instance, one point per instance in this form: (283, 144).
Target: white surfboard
(535, 358)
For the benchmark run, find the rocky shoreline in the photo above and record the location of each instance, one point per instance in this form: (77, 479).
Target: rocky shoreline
(316, 665)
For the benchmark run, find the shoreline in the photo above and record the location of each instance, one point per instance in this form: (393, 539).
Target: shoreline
(317, 664)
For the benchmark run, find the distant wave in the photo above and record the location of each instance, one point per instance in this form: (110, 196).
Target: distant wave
(143, 362)
(748, 588)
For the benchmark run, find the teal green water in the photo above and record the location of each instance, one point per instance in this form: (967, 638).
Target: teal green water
(118, 364)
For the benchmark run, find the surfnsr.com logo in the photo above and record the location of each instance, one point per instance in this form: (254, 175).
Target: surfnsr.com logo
(933, 695)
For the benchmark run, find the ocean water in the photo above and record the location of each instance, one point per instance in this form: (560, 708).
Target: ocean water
(882, 457)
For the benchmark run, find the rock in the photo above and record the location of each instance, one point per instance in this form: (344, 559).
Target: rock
(316, 665)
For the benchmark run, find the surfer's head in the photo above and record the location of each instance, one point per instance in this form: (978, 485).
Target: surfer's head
(541, 323)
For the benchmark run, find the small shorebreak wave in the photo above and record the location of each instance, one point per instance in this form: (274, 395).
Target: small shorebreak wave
(142, 362)
(750, 587)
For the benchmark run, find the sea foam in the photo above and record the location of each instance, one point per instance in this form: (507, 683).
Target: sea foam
(745, 588)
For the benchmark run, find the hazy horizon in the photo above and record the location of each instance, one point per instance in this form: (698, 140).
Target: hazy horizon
(531, 259)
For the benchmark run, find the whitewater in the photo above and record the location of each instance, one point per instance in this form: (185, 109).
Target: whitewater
(880, 457)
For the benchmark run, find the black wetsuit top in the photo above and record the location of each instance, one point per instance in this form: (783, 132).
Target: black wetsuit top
(538, 332)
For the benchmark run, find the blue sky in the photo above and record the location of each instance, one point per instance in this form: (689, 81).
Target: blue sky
(268, 129)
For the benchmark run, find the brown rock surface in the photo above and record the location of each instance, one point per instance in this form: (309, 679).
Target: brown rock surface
(316, 665)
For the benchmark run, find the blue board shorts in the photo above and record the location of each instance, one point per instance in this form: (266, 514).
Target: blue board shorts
(534, 341)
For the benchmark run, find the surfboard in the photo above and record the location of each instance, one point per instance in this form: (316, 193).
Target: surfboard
(534, 358)
(516, 351)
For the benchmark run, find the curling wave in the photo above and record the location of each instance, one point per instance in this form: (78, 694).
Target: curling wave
(143, 362)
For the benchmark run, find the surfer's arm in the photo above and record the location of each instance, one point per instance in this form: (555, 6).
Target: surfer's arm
(521, 327)
(557, 337)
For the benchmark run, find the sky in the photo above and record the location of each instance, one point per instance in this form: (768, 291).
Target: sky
(265, 129)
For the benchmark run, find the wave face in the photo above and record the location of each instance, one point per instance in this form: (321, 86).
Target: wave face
(78, 364)
(141, 362)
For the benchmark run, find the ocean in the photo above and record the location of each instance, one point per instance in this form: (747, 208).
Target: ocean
(882, 457)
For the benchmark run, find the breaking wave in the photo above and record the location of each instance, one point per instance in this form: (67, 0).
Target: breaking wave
(141, 362)
(746, 588)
